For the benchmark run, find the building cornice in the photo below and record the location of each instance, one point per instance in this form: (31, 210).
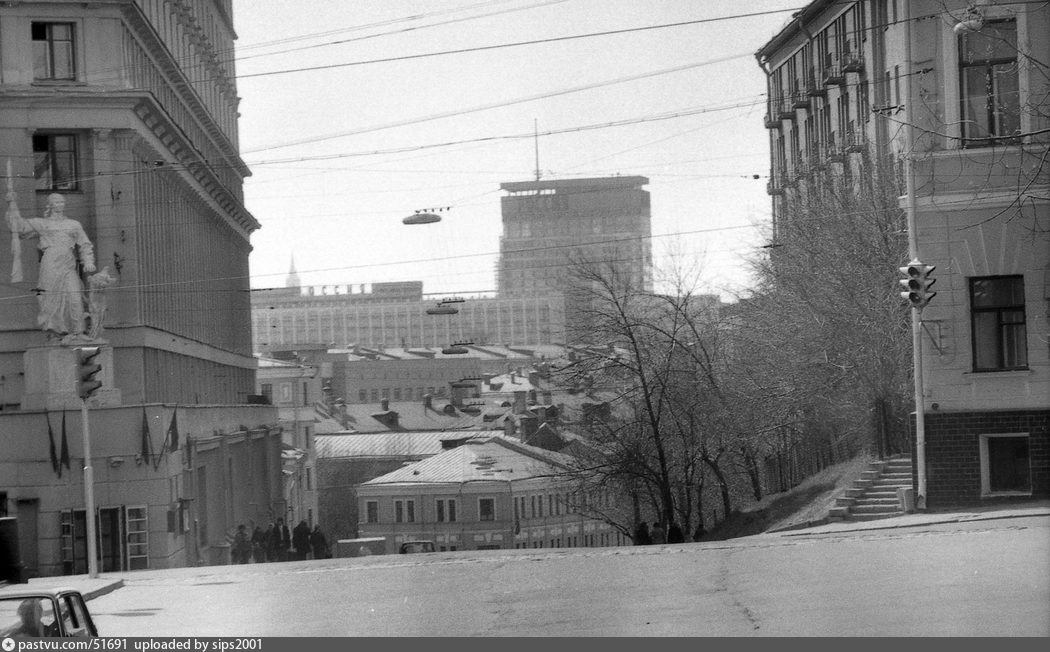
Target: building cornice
(180, 83)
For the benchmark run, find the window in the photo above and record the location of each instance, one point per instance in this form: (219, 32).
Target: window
(53, 52)
(267, 391)
(486, 509)
(55, 161)
(404, 511)
(446, 510)
(362, 395)
(998, 323)
(371, 511)
(1005, 465)
(988, 74)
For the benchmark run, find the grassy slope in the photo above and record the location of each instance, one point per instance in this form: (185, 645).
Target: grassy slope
(809, 501)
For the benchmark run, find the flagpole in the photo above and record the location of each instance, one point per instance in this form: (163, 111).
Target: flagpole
(89, 493)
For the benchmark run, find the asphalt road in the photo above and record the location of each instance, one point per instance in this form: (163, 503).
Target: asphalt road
(986, 578)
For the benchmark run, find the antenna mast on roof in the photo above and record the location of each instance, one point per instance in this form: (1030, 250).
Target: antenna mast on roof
(536, 143)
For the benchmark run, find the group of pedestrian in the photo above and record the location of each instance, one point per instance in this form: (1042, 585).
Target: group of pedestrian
(278, 543)
(643, 536)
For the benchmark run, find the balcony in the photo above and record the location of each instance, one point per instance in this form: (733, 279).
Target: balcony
(852, 62)
(784, 110)
(800, 171)
(813, 89)
(799, 100)
(834, 75)
(772, 122)
(774, 187)
(855, 141)
(833, 152)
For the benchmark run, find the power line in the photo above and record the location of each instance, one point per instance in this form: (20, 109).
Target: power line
(495, 105)
(500, 46)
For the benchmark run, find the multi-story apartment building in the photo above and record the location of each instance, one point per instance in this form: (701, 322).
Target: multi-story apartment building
(954, 95)
(127, 111)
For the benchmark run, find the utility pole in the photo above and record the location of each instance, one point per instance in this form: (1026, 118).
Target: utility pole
(913, 254)
(89, 493)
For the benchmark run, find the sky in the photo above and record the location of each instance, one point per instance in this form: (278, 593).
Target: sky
(355, 115)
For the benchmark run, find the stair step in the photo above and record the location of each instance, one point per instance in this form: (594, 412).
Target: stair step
(873, 517)
(881, 492)
(874, 509)
(876, 501)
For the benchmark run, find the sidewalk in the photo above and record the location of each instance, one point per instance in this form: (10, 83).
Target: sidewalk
(993, 512)
(105, 583)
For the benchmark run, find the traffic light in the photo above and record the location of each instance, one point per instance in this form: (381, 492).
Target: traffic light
(918, 283)
(87, 369)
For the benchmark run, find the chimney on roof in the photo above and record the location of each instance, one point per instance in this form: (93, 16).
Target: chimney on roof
(428, 402)
(529, 425)
(519, 402)
(385, 405)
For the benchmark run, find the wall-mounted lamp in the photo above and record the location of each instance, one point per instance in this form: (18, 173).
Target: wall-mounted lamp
(972, 21)
(114, 462)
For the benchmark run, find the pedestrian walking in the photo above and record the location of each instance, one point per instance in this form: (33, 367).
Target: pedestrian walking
(641, 535)
(241, 551)
(270, 542)
(675, 534)
(280, 541)
(659, 534)
(258, 545)
(301, 541)
(319, 544)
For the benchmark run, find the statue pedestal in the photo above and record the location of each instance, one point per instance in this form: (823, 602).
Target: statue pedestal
(51, 377)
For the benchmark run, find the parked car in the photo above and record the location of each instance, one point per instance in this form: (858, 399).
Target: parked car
(410, 547)
(30, 612)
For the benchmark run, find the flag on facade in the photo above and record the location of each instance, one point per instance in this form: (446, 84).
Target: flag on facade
(147, 445)
(64, 458)
(51, 442)
(173, 431)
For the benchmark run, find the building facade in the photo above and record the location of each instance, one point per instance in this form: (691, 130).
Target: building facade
(953, 95)
(297, 391)
(549, 224)
(338, 316)
(484, 495)
(127, 111)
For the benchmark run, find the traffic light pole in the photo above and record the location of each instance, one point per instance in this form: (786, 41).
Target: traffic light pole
(913, 251)
(89, 493)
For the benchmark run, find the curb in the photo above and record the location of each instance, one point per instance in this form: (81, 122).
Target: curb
(103, 590)
(942, 521)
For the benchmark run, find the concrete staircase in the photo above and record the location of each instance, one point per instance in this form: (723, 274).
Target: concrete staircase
(875, 494)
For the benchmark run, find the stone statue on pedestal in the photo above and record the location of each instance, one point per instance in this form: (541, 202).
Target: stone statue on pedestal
(63, 245)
